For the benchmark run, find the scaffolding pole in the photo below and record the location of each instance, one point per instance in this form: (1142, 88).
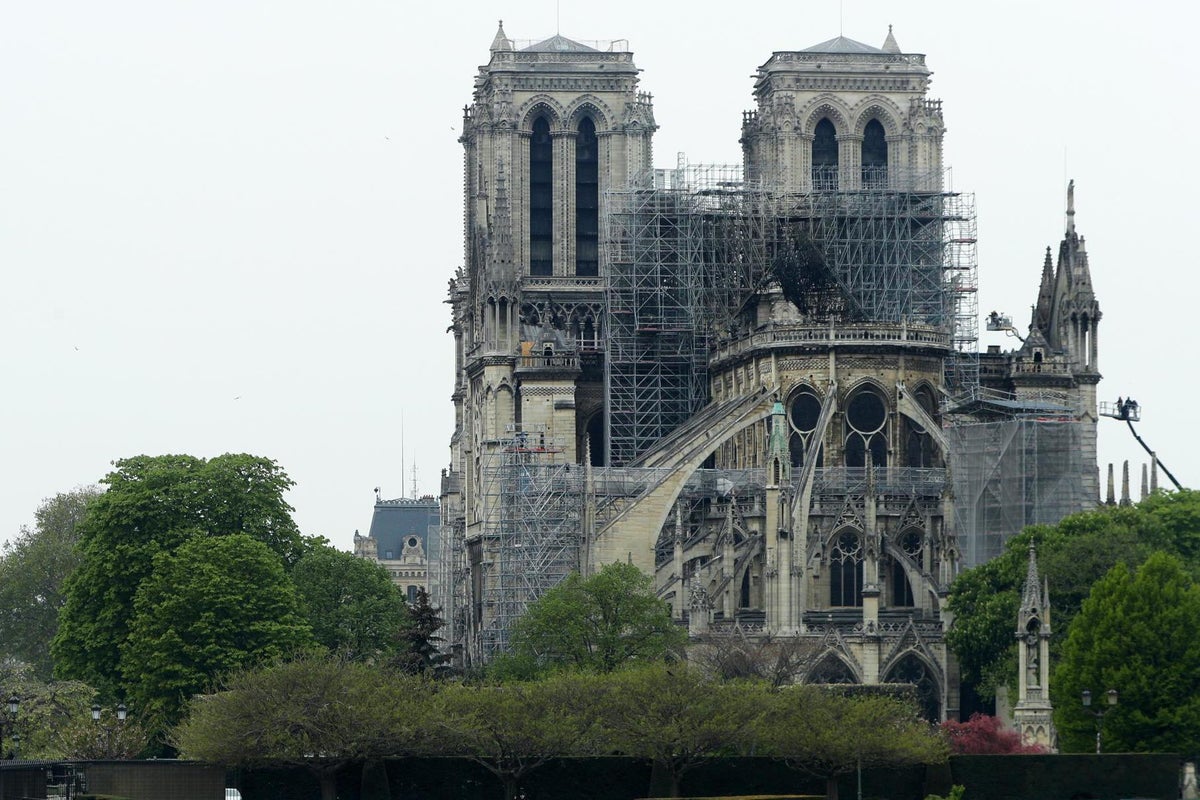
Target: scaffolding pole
(1010, 473)
(535, 538)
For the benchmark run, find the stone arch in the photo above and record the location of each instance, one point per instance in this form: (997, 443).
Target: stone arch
(880, 108)
(629, 530)
(863, 382)
(833, 668)
(589, 106)
(911, 665)
(542, 104)
(825, 105)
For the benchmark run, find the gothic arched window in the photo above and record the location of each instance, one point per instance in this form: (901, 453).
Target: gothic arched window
(832, 669)
(919, 448)
(541, 199)
(587, 200)
(874, 156)
(825, 157)
(866, 437)
(846, 570)
(804, 410)
(911, 669)
(902, 590)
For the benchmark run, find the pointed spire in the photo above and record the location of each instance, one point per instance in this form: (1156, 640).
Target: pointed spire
(501, 42)
(1145, 482)
(1125, 484)
(1153, 474)
(1071, 207)
(1044, 310)
(503, 252)
(889, 44)
(1111, 498)
(1030, 599)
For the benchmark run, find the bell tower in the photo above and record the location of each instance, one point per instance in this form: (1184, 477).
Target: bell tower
(552, 126)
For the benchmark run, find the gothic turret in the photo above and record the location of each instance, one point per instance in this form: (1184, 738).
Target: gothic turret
(1033, 712)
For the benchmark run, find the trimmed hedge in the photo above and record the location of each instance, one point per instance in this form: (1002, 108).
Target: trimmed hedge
(1068, 777)
(1025, 777)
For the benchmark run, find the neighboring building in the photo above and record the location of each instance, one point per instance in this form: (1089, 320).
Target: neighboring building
(756, 382)
(404, 538)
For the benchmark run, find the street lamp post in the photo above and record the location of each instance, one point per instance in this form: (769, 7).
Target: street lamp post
(8, 722)
(106, 743)
(1110, 698)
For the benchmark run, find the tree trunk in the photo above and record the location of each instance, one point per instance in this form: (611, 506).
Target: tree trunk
(831, 788)
(662, 781)
(328, 786)
(510, 787)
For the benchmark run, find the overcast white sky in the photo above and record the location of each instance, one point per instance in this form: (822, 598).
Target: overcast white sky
(228, 226)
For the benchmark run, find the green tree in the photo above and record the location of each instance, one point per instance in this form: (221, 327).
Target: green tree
(1071, 555)
(828, 734)
(211, 606)
(419, 651)
(322, 713)
(55, 720)
(514, 728)
(153, 505)
(351, 604)
(602, 622)
(677, 717)
(1135, 635)
(33, 570)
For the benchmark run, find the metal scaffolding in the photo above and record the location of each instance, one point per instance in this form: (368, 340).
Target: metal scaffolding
(1012, 472)
(656, 345)
(534, 544)
(688, 249)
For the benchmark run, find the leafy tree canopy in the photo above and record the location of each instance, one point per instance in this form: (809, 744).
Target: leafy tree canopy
(677, 717)
(829, 734)
(1073, 555)
(33, 570)
(1134, 634)
(318, 711)
(55, 719)
(153, 504)
(211, 606)
(984, 735)
(514, 728)
(351, 604)
(602, 622)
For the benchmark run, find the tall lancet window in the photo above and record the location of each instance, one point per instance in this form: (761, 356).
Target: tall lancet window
(587, 200)
(541, 200)
(825, 157)
(874, 156)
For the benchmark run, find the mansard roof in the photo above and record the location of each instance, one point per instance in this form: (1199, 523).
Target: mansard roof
(841, 44)
(559, 44)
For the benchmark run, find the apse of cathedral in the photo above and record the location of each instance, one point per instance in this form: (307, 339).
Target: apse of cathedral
(760, 382)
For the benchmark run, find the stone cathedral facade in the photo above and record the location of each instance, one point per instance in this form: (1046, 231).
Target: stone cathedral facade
(741, 384)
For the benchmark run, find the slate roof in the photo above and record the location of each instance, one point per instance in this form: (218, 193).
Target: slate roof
(841, 44)
(559, 44)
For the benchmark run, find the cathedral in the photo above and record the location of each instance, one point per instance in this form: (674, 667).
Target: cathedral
(758, 382)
